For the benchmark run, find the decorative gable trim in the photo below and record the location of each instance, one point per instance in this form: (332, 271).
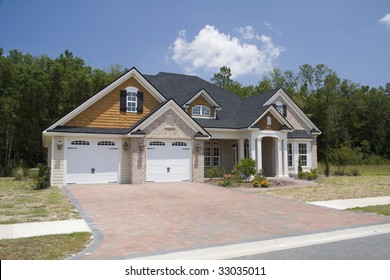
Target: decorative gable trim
(133, 72)
(207, 96)
(281, 93)
(171, 104)
(286, 126)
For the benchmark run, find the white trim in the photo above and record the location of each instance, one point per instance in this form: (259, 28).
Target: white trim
(178, 110)
(281, 93)
(131, 73)
(206, 96)
(91, 135)
(276, 114)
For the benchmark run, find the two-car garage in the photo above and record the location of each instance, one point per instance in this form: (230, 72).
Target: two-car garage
(97, 160)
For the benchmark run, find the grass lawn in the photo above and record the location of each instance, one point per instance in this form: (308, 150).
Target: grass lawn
(337, 187)
(20, 203)
(49, 247)
(376, 209)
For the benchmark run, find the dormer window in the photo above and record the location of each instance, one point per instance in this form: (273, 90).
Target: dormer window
(131, 101)
(201, 111)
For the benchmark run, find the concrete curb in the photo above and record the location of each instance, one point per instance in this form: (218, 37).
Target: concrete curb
(252, 248)
(42, 228)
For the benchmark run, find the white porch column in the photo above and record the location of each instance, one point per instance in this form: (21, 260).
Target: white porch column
(240, 149)
(259, 157)
(252, 148)
(285, 161)
(278, 158)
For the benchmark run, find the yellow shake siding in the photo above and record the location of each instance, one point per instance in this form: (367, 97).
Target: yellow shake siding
(106, 113)
(201, 101)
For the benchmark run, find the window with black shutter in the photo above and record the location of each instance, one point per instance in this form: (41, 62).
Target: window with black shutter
(140, 102)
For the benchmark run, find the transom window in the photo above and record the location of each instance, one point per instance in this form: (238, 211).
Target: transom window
(302, 152)
(106, 143)
(157, 143)
(201, 110)
(80, 143)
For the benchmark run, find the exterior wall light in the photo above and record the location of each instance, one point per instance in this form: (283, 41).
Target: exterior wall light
(59, 145)
(141, 146)
(125, 146)
(198, 147)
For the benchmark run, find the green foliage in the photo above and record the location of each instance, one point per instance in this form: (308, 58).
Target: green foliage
(35, 91)
(344, 156)
(227, 180)
(246, 168)
(20, 173)
(215, 172)
(42, 180)
(312, 174)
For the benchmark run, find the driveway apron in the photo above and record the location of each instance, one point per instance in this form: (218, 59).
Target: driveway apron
(156, 218)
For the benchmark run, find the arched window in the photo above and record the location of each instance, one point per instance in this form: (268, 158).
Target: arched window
(201, 110)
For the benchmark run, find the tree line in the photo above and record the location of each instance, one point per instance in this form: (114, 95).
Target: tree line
(354, 119)
(35, 91)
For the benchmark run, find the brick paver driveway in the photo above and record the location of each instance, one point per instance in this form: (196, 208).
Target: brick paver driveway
(138, 220)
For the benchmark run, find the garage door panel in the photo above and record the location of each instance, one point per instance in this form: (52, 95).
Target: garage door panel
(169, 162)
(97, 162)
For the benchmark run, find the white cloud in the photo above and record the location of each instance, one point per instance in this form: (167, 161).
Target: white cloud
(386, 20)
(212, 49)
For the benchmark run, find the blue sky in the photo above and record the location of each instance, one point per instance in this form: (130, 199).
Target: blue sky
(197, 37)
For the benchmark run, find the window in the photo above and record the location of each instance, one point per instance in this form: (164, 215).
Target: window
(157, 143)
(131, 101)
(246, 148)
(106, 143)
(79, 143)
(201, 110)
(302, 151)
(289, 154)
(179, 144)
(279, 107)
(216, 154)
(207, 156)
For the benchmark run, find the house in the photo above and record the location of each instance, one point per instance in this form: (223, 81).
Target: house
(171, 127)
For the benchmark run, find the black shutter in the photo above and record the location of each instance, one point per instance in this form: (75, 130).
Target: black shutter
(285, 110)
(140, 102)
(123, 101)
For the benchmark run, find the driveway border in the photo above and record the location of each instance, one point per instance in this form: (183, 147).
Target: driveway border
(97, 234)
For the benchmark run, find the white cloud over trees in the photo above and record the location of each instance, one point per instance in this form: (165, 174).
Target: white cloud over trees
(248, 53)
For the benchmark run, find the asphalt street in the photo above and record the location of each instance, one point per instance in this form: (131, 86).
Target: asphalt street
(375, 247)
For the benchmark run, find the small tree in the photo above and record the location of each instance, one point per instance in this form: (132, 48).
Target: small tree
(246, 167)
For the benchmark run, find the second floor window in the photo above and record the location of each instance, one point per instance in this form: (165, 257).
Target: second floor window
(201, 110)
(132, 101)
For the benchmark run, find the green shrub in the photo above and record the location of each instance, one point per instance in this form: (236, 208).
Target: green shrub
(42, 180)
(312, 174)
(20, 173)
(227, 180)
(215, 172)
(246, 168)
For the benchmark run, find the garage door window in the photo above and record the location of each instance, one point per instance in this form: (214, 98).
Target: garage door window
(182, 144)
(157, 143)
(79, 142)
(106, 143)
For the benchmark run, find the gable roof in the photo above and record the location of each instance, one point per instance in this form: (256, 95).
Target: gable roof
(207, 96)
(133, 72)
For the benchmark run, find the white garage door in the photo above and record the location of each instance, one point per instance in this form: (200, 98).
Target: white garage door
(168, 161)
(92, 161)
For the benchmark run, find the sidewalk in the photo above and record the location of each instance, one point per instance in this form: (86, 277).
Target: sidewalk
(42, 228)
(342, 204)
